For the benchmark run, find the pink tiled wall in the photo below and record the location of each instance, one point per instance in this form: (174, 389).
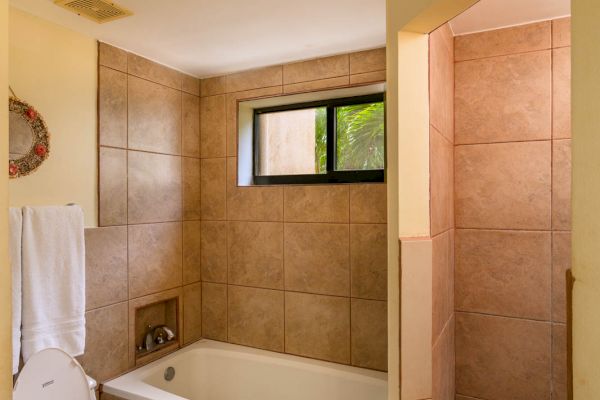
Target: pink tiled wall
(512, 204)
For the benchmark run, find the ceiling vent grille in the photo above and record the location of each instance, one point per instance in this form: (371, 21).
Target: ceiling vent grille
(99, 11)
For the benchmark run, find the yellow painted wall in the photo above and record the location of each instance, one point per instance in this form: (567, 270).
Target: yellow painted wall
(586, 198)
(55, 70)
(5, 279)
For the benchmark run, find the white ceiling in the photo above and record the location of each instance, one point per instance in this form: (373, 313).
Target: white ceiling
(493, 14)
(212, 37)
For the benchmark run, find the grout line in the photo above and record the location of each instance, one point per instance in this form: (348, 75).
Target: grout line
(506, 230)
(504, 55)
(505, 316)
(504, 142)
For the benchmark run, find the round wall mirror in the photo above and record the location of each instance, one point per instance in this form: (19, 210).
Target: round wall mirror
(29, 141)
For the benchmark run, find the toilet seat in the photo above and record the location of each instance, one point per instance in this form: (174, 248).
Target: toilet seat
(52, 374)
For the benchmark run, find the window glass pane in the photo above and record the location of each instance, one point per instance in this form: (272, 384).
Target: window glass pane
(293, 142)
(360, 137)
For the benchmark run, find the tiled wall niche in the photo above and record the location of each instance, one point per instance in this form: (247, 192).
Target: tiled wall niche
(513, 191)
(295, 269)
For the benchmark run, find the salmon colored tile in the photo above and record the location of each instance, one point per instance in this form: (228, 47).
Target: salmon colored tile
(255, 254)
(256, 317)
(368, 77)
(312, 70)
(213, 189)
(367, 61)
(112, 187)
(214, 311)
(503, 186)
(192, 312)
(368, 261)
(213, 245)
(443, 282)
(561, 262)
(368, 203)
(191, 252)
(519, 39)
(190, 84)
(112, 57)
(369, 334)
(212, 86)
(254, 79)
(559, 362)
(561, 32)
(441, 81)
(561, 93)
(212, 126)
(443, 364)
(322, 203)
(317, 326)
(311, 86)
(503, 99)
(191, 188)
(190, 125)
(317, 258)
(561, 184)
(442, 182)
(112, 108)
(502, 358)
(504, 273)
(153, 72)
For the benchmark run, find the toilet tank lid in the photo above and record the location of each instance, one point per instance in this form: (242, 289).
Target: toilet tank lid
(52, 374)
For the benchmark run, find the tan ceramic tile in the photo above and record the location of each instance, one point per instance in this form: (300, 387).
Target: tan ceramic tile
(112, 188)
(441, 81)
(369, 334)
(213, 246)
(561, 262)
(367, 61)
(443, 361)
(213, 189)
(155, 258)
(561, 93)
(255, 254)
(503, 186)
(459, 397)
(317, 326)
(561, 184)
(254, 79)
(190, 84)
(107, 342)
(191, 188)
(252, 203)
(317, 258)
(154, 72)
(442, 182)
(504, 99)
(559, 362)
(213, 86)
(154, 117)
(191, 251)
(368, 203)
(256, 317)
(443, 282)
(106, 396)
(190, 125)
(212, 126)
(504, 273)
(561, 32)
(214, 311)
(312, 70)
(154, 188)
(112, 57)
(232, 110)
(105, 266)
(112, 107)
(519, 39)
(368, 77)
(192, 312)
(322, 203)
(311, 86)
(368, 261)
(502, 358)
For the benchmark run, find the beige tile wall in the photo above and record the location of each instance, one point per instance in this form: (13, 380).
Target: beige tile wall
(147, 248)
(295, 269)
(512, 165)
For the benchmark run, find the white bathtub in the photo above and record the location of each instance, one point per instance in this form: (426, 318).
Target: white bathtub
(209, 370)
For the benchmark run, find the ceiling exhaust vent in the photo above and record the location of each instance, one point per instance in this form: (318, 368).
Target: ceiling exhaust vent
(99, 11)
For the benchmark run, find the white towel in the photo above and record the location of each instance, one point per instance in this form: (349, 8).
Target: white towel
(15, 218)
(53, 280)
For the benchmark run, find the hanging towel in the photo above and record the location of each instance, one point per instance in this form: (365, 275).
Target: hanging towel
(15, 220)
(53, 280)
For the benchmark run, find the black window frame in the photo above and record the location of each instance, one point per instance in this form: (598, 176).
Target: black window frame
(332, 175)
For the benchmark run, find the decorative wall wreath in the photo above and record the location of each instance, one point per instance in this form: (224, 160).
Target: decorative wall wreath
(30, 160)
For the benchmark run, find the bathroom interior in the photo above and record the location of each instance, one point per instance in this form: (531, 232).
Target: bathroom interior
(244, 222)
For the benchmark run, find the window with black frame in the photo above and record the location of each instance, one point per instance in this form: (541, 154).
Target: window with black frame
(328, 141)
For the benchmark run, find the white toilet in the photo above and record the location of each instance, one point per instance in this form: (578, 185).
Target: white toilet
(52, 374)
